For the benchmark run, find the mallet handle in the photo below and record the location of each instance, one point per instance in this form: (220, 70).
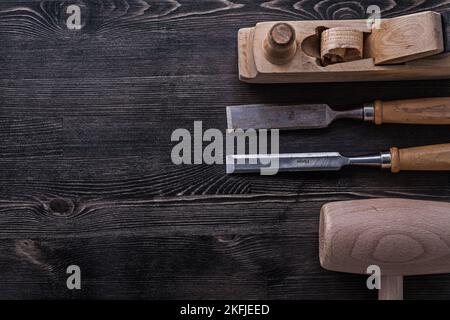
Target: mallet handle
(391, 288)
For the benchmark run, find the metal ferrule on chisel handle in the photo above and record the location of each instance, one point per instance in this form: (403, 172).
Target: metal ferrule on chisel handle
(382, 160)
(369, 112)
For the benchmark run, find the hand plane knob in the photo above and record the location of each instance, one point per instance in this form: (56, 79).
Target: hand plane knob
(280, 44)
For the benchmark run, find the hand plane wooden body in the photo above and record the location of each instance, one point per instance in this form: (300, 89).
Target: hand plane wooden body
(404, 48)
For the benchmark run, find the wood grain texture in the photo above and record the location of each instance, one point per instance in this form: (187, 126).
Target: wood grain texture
(341, 45)
(391, 288)
(406, 39)
(86, 176)
(426, 158)
(413, 111)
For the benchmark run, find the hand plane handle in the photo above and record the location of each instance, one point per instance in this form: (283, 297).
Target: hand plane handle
(414, 111)
(427, 158)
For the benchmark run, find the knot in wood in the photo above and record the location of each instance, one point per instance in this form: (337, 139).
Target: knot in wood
(60, 207)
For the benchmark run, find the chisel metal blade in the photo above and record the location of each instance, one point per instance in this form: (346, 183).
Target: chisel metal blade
(264, 116)
(286, 117)
(289, 162)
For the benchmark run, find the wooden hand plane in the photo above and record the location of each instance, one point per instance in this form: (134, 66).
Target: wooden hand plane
(409, 47)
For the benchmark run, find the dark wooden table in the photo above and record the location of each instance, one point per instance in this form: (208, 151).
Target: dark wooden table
(85, 171)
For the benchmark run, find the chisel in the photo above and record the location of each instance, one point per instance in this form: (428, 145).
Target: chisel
(426, 158)
(430, 111)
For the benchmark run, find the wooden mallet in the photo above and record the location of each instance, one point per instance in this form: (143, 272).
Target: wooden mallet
(402, 237)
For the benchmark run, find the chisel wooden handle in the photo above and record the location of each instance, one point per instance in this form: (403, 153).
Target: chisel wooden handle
(428, 158)
(415, 111)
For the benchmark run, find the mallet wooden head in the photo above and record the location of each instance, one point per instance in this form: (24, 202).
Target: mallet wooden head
(402, 237)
